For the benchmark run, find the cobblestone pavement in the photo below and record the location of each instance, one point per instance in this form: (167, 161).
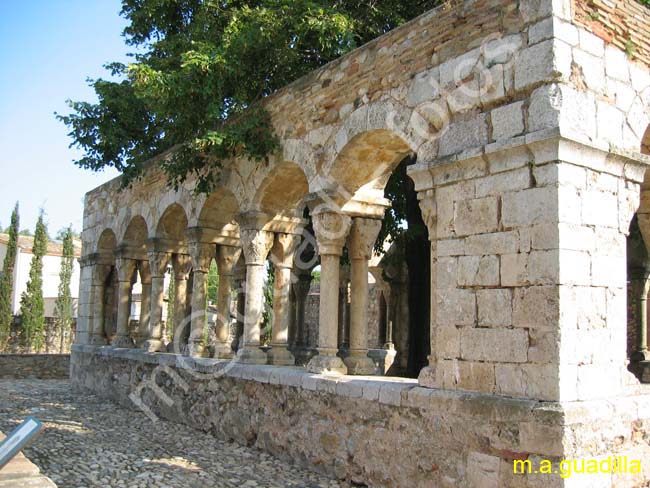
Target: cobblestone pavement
(93, 442)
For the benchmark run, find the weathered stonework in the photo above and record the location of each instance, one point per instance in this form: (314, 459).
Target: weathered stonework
(41, 366)
(529, 124)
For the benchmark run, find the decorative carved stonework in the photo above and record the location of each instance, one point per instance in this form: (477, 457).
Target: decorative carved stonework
(363, 235)
(331, 232)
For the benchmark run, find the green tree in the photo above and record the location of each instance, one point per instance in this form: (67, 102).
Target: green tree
(213, 283)
(202, 69)
(63, 304)
(7, 280)
(32, 309)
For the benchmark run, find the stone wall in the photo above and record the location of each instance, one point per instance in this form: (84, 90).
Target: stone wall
(41, 366)
(378, 432)
(622, 23)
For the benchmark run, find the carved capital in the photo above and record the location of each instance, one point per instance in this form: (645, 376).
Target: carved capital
(284, 247)
(158, 262)
(331, 230)
(256, 245)
(363, 235)
(227, 257)
(182, 264)
(429, 209)
(201, 255)
(145, 271)
(125, 268)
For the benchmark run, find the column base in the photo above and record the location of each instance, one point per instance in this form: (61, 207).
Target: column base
(326, 364)
(640, 356)
(97, 341)
(223, 351)
(197, 350)
(251, 355)
(427, 377)
(303, 354)
(153, 345)
(280, 356)
(123, 342)
(358, 363)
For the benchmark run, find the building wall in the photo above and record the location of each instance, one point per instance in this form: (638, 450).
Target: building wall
(51, 270)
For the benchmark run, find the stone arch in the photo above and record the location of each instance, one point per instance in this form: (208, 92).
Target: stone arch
(282, 191)
(136, 233)
(172, 224)
(370, 144)
(366, 162)
(107, 242)
(218, 210)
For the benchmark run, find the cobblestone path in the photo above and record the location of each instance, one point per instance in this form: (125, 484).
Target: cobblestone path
(93, 442)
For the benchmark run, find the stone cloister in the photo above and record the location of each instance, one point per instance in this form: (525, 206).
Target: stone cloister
(528, 120)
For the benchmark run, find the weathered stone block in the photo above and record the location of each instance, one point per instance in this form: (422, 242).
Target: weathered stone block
(478, 271)
(544, 62)
(507, 121)
(499, 345)
(530, 206)
(494, 243)
(476, 216)
(494, 307)
(536, 307)
(464, 135)
(455, 306)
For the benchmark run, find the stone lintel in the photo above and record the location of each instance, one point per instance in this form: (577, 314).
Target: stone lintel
(286, 225)
(227, 235)
(536, 148)
(158, 244)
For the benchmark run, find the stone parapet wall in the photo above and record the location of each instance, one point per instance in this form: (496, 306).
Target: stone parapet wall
(380, 432)
(41, 366)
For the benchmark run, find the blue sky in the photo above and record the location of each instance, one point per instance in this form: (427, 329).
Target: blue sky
(47, 50)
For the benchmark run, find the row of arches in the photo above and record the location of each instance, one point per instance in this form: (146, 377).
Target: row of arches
(282, 224)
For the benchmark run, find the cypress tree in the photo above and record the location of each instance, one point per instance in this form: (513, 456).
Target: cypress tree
(7, 280)
(32, 308)
(63, 305)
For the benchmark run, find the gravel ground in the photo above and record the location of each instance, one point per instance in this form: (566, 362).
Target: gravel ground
(92, 442)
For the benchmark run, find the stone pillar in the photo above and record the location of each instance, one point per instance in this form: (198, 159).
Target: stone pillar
(100, 274)
(227, 257)
(202, 255)
(390, 316)
(282, 252)
(182, 265)
(331, 231)
(84, 313)
(363, 235)
(125, 268)
(145, 302)
(643, 218)
(256, 244)
(158, 262)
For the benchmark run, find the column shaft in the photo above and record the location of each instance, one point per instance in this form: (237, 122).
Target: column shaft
(122, 337)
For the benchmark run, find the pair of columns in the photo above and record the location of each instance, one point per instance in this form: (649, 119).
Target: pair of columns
(257, 243)
(332, 230)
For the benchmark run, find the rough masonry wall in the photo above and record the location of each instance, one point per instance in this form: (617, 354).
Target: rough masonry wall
(376, 432)
(41, 366)
(622, 23)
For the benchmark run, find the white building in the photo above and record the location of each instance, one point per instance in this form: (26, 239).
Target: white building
(51, 270)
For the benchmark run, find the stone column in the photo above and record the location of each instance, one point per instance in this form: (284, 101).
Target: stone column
(202, 255)
(331, 231)
(388, 298)
(227, 257)
(145, 301)
(99, 276)
(363, 235)
(182, 265)
(256, 244)
(282, 252)
(158, 262)
(125, 268)
(643, 218)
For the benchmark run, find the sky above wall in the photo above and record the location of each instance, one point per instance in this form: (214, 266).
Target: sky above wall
(47, 50)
